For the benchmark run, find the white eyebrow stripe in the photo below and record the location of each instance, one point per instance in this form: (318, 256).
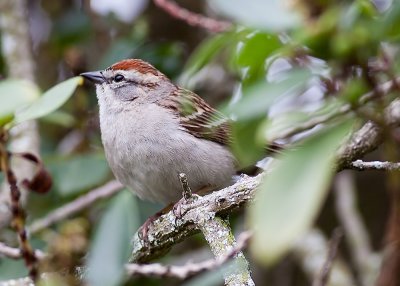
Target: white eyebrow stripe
(147, 77)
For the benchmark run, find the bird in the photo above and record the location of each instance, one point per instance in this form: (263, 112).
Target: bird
(153, 130)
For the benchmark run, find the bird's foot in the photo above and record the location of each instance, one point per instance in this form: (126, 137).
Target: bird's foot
(180, 208)
(144, 229)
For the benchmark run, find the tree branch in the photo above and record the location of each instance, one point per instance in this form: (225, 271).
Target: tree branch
(190, 269)
(15, 253)
(221, 240)
(360, 165)
(366, 262)
(311, 251)
(323, 278)
(191, 18)
(155, 269)
(168, 230)
(218, 234)
(75, 206)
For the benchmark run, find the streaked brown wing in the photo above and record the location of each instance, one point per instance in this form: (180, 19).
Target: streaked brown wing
(198, 118)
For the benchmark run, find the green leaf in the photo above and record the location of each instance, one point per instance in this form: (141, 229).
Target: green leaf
(111, 247)
(292, 194)
(51, 100)
(253, 51)
(11, 268)
(15, 94)
(61, 118)
(76, 174)
(245, 146)
(257, 98)
(272, 15)
(205, 52)
(390, 23)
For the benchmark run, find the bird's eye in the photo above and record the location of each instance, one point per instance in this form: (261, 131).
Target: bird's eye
(119, 77)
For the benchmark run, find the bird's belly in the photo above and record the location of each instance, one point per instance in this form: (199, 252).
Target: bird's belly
(150, 167)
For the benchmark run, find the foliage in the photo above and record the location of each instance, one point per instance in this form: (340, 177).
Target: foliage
(111, 248)
(289, 66)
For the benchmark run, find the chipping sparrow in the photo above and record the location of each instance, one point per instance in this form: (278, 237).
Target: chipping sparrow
(152, 130)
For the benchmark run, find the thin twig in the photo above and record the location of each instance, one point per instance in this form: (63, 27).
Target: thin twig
(323, 278)
(15, 253)
(190, 269)
(18, 215)
(192, 18)
(187, 192)
(356, 235)
(310, 252)
(360, 165)
(75, 206)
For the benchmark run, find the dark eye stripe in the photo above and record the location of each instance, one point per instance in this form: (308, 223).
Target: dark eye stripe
(119, 77)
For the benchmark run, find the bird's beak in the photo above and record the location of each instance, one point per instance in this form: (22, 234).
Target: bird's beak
(94, 76)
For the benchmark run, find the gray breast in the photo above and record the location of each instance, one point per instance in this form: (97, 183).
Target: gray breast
(148, 154)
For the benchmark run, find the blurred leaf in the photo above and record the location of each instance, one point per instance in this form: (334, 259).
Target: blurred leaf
(111, 246)
(61, 118)
(15, 94)
(50, 100)
(205, 52)
(257, 98)
(353, 90)
(318, 37)
(253, 51)
(118, 50)
(166, 57)
(11, 268)
(245, 147)
(78, 173)
(292, 193)
(272, 15)
(71, 27)
(390, 24)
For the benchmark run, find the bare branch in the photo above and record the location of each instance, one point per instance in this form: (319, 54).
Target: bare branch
(15, 253)
(323, 278)
(360, 165)
(311, 251)
(366, 262)
(18, 214)
(75, 206)
(369, 137)
(219, 237)
(190, 269)
(169, 230)
(191, 18)
(186, 191)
